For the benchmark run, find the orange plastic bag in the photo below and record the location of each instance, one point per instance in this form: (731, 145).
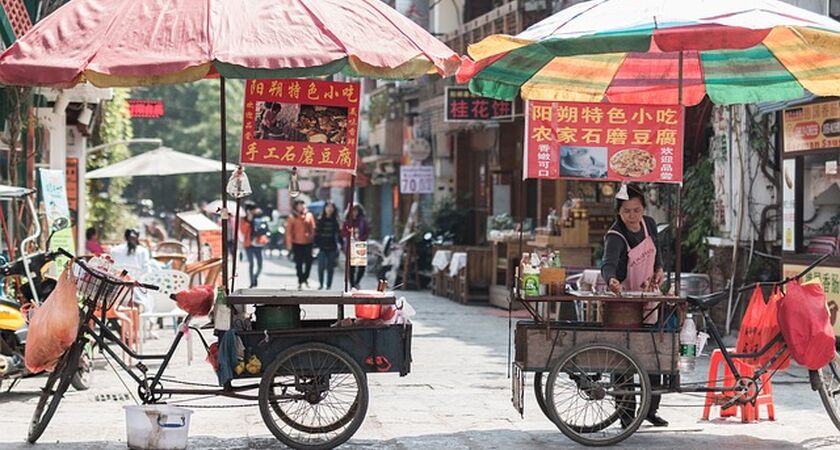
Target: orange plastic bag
(53, 327)
(197, 301)
(748, 335)
(768, 330)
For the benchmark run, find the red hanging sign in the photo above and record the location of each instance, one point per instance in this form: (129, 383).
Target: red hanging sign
(603, 142)
(301, 123)
(146, 109)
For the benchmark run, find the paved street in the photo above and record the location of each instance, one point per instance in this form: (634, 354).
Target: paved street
(457, 397)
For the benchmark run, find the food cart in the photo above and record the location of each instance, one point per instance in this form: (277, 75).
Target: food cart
(635, 66)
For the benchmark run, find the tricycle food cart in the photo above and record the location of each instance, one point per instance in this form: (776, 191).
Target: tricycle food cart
(312, 392)
(594, 382)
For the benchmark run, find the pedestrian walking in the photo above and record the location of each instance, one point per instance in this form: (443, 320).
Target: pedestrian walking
(254, 231)
(300, 233)
(326, 239)
(355, 229)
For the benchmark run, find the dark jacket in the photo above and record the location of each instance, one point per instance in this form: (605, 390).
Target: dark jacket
(615, 249)
(360, 224)
(326, 233)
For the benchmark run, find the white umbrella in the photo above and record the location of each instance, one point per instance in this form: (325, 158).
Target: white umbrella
(163, 161)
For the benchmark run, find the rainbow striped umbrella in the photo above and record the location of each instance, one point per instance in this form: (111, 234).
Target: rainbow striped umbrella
(628, 51)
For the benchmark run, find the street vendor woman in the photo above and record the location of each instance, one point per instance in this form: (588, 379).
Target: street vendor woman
(632, 262)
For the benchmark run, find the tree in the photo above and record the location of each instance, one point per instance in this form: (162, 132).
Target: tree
(106, 210)
(191, 124)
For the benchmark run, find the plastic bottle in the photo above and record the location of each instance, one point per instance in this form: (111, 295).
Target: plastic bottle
(688, 344)
(221, 311)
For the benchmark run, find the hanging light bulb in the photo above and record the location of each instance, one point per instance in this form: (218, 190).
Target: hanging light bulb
(294, 184)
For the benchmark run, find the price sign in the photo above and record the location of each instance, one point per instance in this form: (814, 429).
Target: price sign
(417, 180)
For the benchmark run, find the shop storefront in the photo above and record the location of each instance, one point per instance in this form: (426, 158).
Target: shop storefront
(811, 193)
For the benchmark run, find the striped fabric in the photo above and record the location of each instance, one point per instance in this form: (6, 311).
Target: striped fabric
(744, 51)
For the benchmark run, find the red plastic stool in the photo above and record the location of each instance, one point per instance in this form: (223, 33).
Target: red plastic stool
(749, 413)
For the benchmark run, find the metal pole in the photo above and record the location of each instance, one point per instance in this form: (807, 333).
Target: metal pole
(223, 143)
(236, 246)
(347, 244)
(678, 251)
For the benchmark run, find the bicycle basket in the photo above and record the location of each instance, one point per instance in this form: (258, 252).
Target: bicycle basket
(99, 288)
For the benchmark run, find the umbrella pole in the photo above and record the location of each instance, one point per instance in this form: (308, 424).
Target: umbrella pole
(235, 245)
(678, 250)
(223, 143)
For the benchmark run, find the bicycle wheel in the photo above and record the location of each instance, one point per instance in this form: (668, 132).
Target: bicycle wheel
(591, 387)
(830, 389)
(53, 391)
(539, 393)
(313, 397)
(84, 373)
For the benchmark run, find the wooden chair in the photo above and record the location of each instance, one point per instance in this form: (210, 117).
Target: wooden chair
(176, 261)
(205, 272)
(473, 280)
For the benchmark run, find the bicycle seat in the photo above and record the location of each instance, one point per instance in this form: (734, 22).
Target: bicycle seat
(707, 301)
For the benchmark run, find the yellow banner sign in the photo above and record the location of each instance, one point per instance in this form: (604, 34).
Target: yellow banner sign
(830, 278)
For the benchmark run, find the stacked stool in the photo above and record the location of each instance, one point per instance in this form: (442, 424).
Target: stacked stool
(749, 412)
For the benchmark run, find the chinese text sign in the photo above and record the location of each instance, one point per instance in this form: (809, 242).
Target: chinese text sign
(464, 106)
(814, 126)
(603, 141)
(301, 123)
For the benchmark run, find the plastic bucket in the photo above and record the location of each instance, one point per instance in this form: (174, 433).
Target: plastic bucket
(368, 311)
(160, 427)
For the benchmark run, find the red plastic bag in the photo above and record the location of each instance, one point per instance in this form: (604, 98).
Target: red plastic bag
(806, 326)
(53, 327)
(768, 330)
(197, 301)
(748, 335)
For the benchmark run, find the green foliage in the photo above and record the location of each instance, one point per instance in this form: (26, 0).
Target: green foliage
(447, 217)
(106, 211)
(191, 125)
(698, 209)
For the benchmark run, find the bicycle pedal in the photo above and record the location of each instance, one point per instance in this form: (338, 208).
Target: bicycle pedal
(142, 367)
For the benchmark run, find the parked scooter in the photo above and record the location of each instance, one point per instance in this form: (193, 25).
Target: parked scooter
(13, 329)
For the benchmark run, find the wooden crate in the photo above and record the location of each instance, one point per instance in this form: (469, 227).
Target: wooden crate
(537, 347)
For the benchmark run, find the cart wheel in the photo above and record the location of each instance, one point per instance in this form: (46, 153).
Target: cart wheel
(53, 391)
(313, 396)
(591, 387)
(830, 389)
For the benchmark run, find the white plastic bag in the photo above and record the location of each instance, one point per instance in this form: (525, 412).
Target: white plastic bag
(399, 313)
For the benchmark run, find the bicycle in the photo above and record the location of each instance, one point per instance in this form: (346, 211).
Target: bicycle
(597, 390)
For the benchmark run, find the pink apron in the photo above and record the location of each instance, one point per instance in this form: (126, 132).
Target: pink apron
(640, 262)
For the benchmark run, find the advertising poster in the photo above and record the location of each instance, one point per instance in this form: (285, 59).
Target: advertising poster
(603, 142)
(54, 192)
(417, 180)
(301, 123)
(358, 253)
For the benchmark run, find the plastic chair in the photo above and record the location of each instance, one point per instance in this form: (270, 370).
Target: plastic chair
(749, 412)
(168, 282)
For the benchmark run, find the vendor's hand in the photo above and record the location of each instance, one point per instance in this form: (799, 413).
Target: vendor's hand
(615, 285)
(658, 276)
